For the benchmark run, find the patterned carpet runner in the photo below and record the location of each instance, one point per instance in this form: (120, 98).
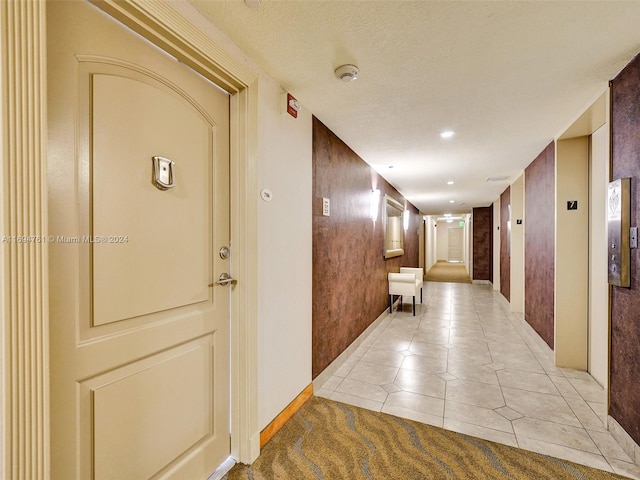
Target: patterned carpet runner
(447, 272)
(333, 441)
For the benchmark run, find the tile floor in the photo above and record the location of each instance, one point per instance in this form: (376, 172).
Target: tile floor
(465, 363)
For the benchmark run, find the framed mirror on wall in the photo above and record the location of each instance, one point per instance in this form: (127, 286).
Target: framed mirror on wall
(393, 230)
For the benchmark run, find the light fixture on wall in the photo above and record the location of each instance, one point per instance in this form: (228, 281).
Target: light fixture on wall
(405, 220)
(374, 204)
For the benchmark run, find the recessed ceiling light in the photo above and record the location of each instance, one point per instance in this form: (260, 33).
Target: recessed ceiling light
(452, 201)
(450, 182)
(447, 214)
(447, 134)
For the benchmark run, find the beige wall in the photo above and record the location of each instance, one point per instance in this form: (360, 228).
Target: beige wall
(430, 242)
(572, 243)
(517, 246)
(598, 360)
(442, 241)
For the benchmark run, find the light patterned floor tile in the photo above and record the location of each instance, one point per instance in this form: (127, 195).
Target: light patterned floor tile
(419, 382)
(422, 417)
(356, 401)
(362, 389)
(540, 406)
(389, 358)
(555, 433)
(476, 373)
(475, 393)
(508, 413)
(371, 373)
(419, 403)
(466, 363)
(474, 415)
(566, 453)
(481, 432)
(532, 382)
(588, 389)
(586, 415)
(420, 363)
(428, 349)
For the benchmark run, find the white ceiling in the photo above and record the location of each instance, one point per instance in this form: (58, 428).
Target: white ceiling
(506, 76)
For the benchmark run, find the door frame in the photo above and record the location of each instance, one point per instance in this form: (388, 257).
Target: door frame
(24, 321)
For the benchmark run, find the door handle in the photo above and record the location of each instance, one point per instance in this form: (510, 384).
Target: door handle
(225, 279)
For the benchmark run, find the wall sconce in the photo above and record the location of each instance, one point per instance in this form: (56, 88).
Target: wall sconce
(374, 204)
(405, 220)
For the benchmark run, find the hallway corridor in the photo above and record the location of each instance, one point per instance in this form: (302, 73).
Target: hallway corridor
(465, 363)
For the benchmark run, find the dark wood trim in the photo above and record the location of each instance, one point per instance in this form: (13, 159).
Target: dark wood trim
(291, 409)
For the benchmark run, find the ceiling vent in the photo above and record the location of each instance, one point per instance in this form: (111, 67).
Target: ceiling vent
(347, 73)
(498, 179)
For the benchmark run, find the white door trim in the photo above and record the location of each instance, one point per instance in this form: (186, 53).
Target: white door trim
(24, 323)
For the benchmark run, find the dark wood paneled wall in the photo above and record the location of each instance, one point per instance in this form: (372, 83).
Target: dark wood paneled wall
(349, 271)
(483, 243)
(505, 247)
(625, 302)
(539, 248)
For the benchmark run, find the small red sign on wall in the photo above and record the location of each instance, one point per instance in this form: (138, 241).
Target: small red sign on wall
(292, 106)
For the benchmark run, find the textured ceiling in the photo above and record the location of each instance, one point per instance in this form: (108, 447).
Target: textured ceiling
(506, 76)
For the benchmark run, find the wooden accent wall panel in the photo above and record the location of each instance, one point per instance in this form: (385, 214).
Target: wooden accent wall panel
(350, 288)
(625, 302)
(505, 244)
(539, 244)
(483, 243)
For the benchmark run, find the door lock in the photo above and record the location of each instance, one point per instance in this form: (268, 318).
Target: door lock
(225, 279)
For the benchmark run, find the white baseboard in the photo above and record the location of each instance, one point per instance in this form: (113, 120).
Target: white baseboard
(627, 443)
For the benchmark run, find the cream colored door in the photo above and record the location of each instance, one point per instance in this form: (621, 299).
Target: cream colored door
(139, 328)
(455, 244)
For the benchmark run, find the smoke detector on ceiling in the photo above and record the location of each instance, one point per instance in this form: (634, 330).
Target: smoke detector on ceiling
(347, 73)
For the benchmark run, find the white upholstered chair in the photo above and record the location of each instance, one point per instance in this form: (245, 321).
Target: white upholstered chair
(418, 272)
(403, 284)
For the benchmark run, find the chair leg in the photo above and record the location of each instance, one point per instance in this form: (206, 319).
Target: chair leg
(420, 294)
(390, 302)
(414, 305)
